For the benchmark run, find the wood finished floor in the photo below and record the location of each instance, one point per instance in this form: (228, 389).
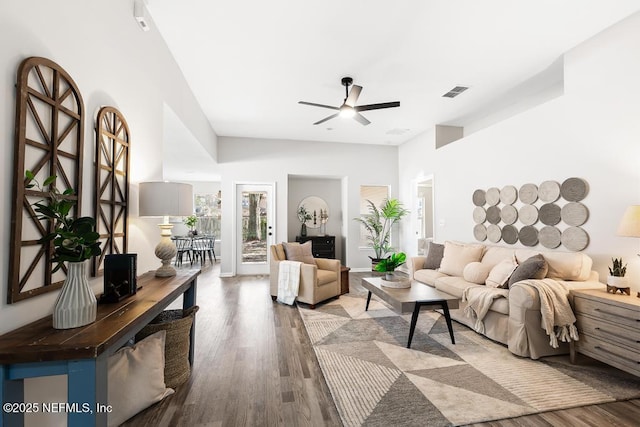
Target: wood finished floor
(254, 366)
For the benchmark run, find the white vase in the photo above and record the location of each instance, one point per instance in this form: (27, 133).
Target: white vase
(76, 304)
(618, 282)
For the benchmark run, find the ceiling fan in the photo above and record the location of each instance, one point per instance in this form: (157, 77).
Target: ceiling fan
(349, 107)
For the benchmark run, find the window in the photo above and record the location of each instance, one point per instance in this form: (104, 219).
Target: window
(376, 194)
(208, 211)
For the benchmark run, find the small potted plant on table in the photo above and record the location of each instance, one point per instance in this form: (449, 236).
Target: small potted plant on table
(191, 222)
(74, 241)
(616, 280)
(388, 266)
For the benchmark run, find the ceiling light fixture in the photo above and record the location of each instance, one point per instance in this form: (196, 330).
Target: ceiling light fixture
(347, 112)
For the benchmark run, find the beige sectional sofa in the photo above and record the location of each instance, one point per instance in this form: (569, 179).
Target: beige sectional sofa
(515, 320)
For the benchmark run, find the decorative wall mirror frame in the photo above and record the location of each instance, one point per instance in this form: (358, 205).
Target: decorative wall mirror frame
(111, 203)
(316, 207)
(49, 135)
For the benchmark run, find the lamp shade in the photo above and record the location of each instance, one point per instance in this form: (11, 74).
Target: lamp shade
(165, 199)
(630, 224)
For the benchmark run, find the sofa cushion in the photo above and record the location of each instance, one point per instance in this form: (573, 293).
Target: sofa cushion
(326, 276)
(495, 254)
(453, 285)
(428, 276)
(435, 251)
(457, 256)
(299, 252)
(568, 265)
(499, 275)
(533, 268)
(476, 272)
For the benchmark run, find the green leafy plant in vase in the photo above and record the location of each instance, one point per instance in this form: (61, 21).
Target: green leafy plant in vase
(378, 223)
(617, 272)
(191, 222)
(389, 264)
(74, 241)
(303, 217)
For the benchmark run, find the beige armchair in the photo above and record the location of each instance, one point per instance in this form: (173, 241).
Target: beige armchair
(317, 282)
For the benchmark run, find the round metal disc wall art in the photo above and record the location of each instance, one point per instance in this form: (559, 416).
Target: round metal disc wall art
(494, 233)
(509, 234)
(574, 214)
(493, 214)
(508, 195)
(480, 232)
(549, 214)
(574, 189)
(493, 196)
(528, 235)
(510, 214)
(528, 193)
(479, 198)
(528, 214)
(549, 237)
(479, 215)
(575, 238)
(549, 191)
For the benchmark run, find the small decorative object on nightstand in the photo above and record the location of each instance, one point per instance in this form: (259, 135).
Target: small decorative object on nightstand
(616, 280)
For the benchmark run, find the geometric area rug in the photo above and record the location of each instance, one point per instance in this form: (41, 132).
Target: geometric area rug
(376, 381)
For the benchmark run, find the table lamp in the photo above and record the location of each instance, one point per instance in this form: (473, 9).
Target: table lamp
(164, 199)
(630, 224)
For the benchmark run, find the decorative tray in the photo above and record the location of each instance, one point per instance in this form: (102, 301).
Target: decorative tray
(397, 282)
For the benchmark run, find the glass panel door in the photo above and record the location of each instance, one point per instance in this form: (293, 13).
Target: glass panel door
(254, 230)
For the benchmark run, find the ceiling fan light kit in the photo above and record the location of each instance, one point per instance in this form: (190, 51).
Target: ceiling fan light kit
(349, 109)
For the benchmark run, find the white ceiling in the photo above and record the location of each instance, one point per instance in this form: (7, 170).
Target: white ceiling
(250, 62)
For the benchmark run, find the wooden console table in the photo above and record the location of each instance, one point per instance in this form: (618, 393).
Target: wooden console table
(37, 349)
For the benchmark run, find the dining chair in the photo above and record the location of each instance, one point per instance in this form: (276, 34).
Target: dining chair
(184, 247)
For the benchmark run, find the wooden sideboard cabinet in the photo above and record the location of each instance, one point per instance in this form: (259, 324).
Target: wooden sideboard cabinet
(321, 246)
(608, 328)
(37, 350)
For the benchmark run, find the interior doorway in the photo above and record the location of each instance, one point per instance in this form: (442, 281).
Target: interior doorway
(425, 213)
(254, 227)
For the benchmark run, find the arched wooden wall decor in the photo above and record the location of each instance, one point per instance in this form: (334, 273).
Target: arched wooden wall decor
(48, 141)
(112, 183)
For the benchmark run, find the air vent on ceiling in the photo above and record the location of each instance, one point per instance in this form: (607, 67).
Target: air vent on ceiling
(455, 92)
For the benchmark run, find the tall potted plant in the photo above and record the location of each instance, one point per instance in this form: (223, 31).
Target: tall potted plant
(378, 223)
(74, 241)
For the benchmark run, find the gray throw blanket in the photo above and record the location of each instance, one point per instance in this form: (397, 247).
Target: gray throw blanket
(558, 319)
(480, 299)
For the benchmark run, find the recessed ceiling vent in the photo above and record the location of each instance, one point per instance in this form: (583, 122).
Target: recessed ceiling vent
(455, 92)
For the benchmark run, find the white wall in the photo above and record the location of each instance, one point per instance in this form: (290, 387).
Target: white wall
(113, 62)
(592, 132)
(248, 160)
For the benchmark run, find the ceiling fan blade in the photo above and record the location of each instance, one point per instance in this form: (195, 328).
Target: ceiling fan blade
(377, 106)
(361, 119)
(327, 118)
(353, 95)
(318, 105)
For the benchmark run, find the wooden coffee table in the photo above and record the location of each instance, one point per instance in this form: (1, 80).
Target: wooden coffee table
(411, 300)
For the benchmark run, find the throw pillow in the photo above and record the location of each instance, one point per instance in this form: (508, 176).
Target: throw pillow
(533, 268)
(299, 252)
(499, 275)
(476, 272)
(457, 256)
(435, 251)
(136, 378)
